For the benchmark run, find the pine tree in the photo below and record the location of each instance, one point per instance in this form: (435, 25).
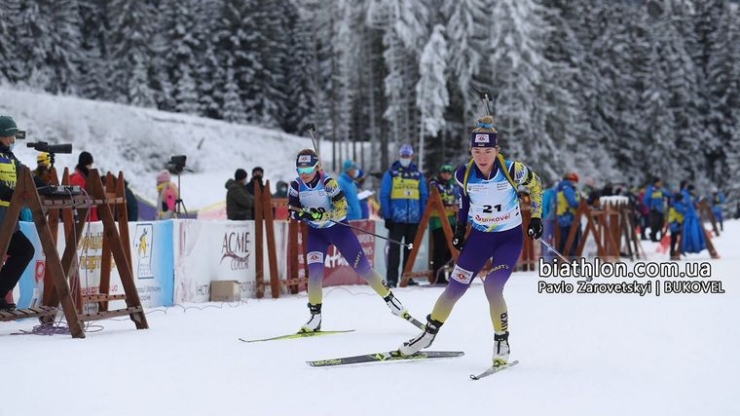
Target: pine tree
(95, 59)
(238, 40)
(178, 24)
(298, 108)
(233, 109)
(139, 93)
(209, 72)
(431, 90)
(8, 20)
(185, 93)
(132, 24)
(466, 24)
(32, 46)
(63, 56)
(517, 68)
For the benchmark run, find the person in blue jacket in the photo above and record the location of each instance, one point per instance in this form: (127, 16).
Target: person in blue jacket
(655, 199)
(347, 183)
(403, 196)
(567, 200)
(718, 201)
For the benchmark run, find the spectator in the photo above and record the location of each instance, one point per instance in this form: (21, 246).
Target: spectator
(280, 212)
(349, 189)
(568, 199)
(718, 201)
(676, 214)
(239, 202)
(79, 178)
(281, 191)
(643, 213)
(167, 196)
(450, 193)
(257, 174)
(20, 250)
(654, 200)
(403, 197)
(43, 167)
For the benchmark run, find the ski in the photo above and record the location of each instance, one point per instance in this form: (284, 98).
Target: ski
(298, 335)
(415, 322)
(493, 370)
(384, 357)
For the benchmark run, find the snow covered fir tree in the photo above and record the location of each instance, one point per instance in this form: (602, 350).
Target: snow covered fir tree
(619, 90)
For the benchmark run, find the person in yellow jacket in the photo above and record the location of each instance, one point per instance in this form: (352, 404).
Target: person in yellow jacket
(20, 250)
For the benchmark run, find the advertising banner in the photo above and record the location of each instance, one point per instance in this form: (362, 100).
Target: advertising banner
(212, 250)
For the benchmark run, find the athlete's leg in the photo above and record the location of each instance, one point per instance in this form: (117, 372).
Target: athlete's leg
(473, 256)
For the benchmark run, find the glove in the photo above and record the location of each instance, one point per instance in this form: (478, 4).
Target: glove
(458, 240)
(534, 229)
(388, 224)
(310, 215)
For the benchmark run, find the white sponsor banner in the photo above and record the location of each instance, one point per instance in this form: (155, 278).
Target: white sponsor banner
(205, 251)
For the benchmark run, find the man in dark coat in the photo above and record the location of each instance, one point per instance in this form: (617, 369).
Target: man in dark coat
(239, 202)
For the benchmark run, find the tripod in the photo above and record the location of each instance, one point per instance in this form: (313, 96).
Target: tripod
(179, 203)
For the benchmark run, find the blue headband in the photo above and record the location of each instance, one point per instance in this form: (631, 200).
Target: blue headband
(488, 126)
(483, 139)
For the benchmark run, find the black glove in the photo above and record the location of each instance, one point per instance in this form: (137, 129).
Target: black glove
(164, 206)
(458, 240)
(388, 224)
(534, 229)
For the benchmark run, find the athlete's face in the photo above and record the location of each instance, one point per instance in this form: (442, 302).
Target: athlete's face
(484, 157)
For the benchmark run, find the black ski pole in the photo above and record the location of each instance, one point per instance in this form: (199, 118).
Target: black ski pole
(410, 246)
(311, 128)
(485, 96)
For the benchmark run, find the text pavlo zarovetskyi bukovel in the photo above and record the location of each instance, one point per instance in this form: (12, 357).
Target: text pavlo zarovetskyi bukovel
(618, 277)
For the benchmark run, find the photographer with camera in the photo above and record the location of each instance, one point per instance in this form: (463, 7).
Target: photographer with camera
(79, 178)
(20, 250)
(168, 194)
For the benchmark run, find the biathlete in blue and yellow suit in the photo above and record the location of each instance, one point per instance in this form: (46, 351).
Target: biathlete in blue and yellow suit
(490, 203)
(317, 199)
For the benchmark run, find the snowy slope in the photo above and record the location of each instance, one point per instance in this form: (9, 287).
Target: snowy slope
(606, 355)
(140, 141)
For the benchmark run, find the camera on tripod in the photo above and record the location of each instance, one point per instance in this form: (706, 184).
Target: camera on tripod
(50, 148)
(177, 164)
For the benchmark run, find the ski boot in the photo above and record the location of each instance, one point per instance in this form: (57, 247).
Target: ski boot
(500, 349)
(396, 306)
(314, 323)
(423, 340)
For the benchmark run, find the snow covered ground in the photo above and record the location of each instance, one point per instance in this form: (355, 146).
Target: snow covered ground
(596, 354)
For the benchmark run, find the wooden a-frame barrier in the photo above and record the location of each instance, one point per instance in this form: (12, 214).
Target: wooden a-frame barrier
(434, 204)
(610, 226)
(60, 271)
